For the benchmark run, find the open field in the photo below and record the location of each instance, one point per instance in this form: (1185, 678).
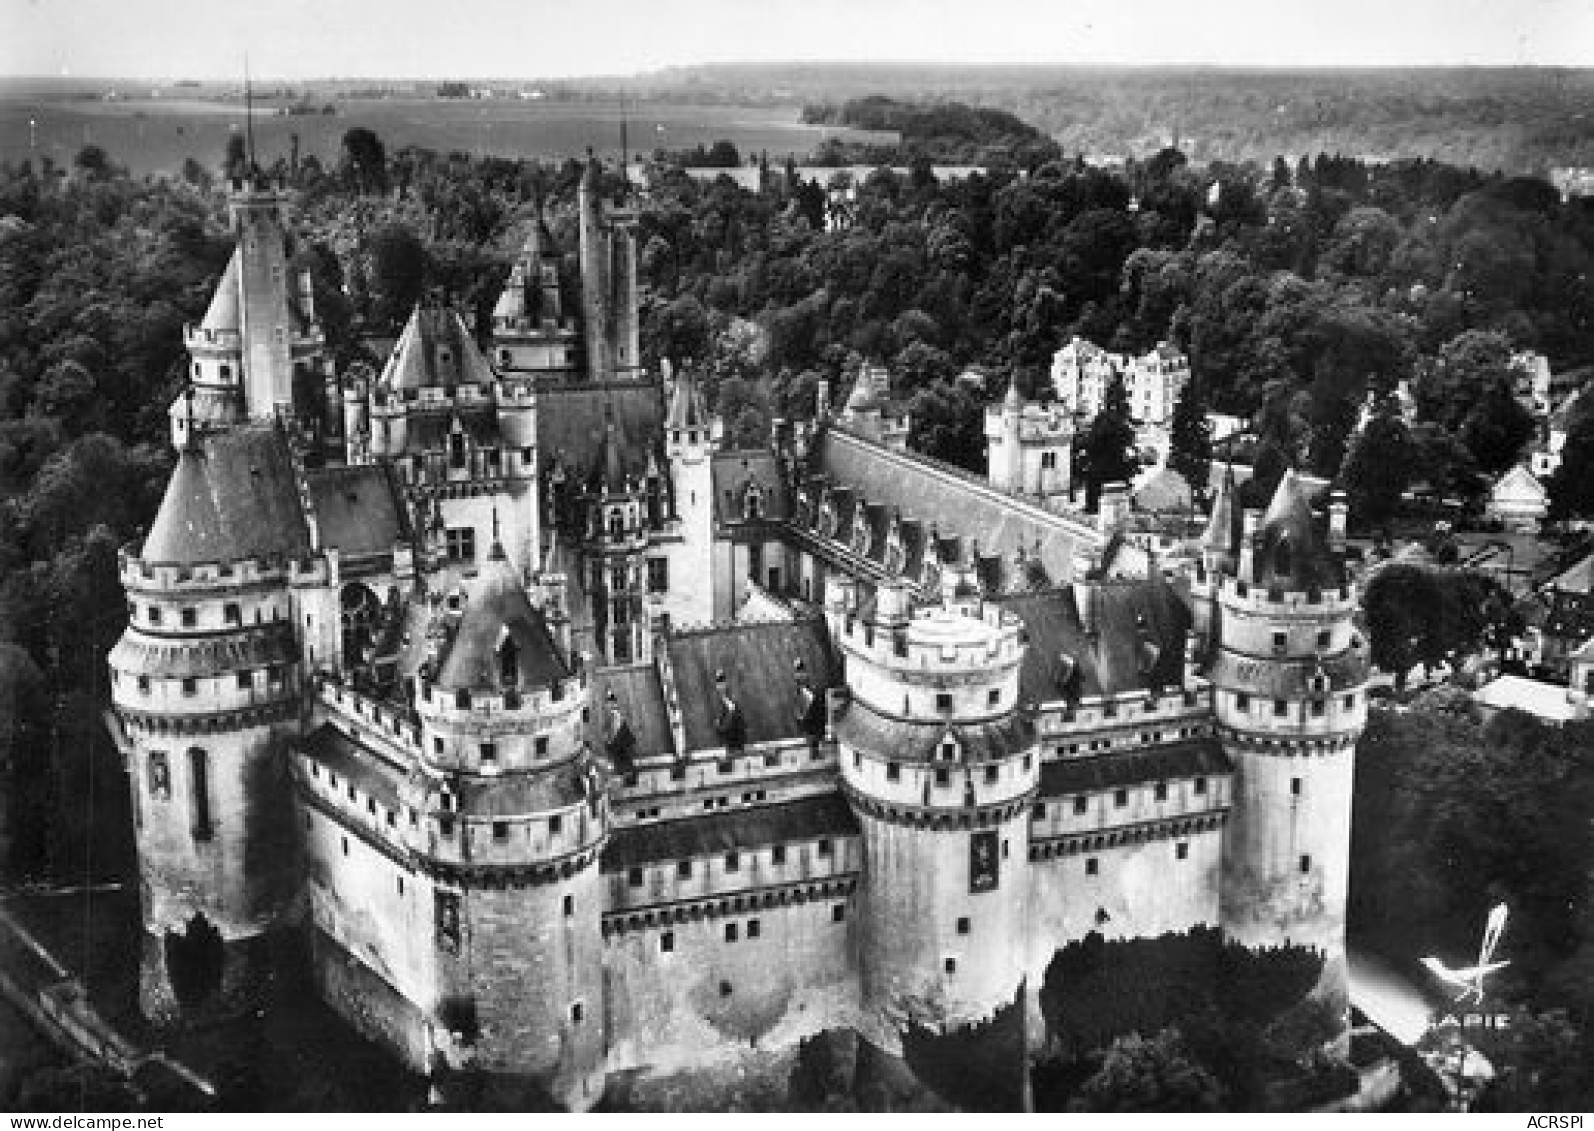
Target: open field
(155, 135)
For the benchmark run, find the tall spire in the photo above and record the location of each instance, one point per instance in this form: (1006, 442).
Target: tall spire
(249, 122)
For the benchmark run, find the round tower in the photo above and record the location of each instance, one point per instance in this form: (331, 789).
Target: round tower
(206, 683)
(515, 817)
(939, 762)
(1290, 680)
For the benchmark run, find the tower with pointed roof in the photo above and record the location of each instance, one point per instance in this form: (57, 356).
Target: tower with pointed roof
(1289, 675)
(689, 438)
(206, 681)
(533, 335)
(610, 330)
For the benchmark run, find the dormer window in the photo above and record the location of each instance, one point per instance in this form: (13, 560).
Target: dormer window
(508, 662)
(456, 449)
(616, 523)
(753, 504)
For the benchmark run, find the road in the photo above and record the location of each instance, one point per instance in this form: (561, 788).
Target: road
(1390, 1000)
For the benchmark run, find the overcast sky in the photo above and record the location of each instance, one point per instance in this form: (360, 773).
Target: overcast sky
(554, 38)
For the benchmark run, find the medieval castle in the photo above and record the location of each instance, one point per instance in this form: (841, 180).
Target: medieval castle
(578, 742)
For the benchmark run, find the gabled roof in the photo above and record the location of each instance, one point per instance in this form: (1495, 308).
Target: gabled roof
(1519, 481)
(497, 609)
(639, 697)
(956, 505)
(571, 425)
(357, 509)
(435, 349)
(810, 818)
(222, 315)
(1101, 638)
(231, 497)
(757, 660)
(734, 472)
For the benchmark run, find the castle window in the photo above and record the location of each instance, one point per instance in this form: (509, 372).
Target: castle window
(1242, 702)
(1295, 787)
(732, 932)
(1201, 785)
(677, 773)
(824, 848)
(754, 928)
(1040, 811)
(556, 825)
(456, 450)
(949, 751)
(246, 680)
(683, 869)
(1281, 708)
(1081, 803)
(525, 455)
(445, 826)
(1281, 643)
(1319, 708)
(1120, 798)
(667, 942)
(190, 617)
(950, 966)
(460, 543)
(541, 745)
(893, 769)
(1323, 638)
(777, 855)
(1181, 851)
(489, 754)
(992, 774)
(658, 575)
(1306, 864)
(616, 523)
(190, 685)
(1092, 866)
(964, 926)
(634, 877)
(199, 788)
(995, 697)
(154, 614)
(1160, 791)
(160, 776)
(733, 862)
(226, 373)
(570, 906)
(462, 700)
(943, 702)
(437, 745)
(838, 913)
(577, 1012)
(345, 846)
(1350, 702)
(943, 776)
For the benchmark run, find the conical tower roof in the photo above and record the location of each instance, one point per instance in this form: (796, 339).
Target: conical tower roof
(499, 619)
(1222, 535)
(222, 315)
(686, 405)
(1293, 555)
(435, 349)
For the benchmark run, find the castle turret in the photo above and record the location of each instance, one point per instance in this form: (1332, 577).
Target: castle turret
(515, 816)
(940, 764)
(1290, 683)
(689, 445)
(595, 297)
(206, 682)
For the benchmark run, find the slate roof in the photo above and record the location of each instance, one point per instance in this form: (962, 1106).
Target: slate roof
(686, 405)
(495, 605)
(1291, 554)
(435, 349)
(956, 505)
(757, 660)
(810, 818)
(1195, 758)
(571, 424)
(640, 698)
(1132, 636)
(340, 754)
(520, 794)
(357, 509)
(222, 315)
(231, 497)
(732, 473)
(1288, 679)
(919, 740)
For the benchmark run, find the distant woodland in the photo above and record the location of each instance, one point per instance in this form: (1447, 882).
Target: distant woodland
(1516, 120)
